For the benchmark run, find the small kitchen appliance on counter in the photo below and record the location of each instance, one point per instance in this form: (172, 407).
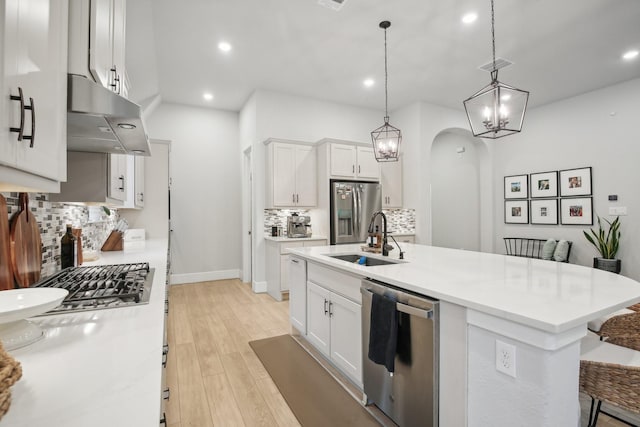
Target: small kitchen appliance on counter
(298, 226)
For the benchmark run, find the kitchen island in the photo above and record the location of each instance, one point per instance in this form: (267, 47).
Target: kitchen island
(539, 307)
(97, 368)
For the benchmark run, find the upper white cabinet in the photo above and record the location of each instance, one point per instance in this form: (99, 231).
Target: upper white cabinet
(138, 184)
(391, 180)
(98, 30)
(291, 179)
(351, 161)
(33, 80)
(118, 177)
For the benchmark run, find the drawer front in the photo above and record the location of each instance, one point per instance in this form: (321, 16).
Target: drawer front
(335, 281)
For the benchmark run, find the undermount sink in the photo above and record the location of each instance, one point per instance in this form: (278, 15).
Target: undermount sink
(370, 262)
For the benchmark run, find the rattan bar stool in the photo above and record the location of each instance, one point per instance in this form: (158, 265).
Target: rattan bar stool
(610, 373)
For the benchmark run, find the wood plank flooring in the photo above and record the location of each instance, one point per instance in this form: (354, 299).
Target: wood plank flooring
(214, 376)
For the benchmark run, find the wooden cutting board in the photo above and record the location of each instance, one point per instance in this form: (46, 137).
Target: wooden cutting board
(6, 273)
(26, 245)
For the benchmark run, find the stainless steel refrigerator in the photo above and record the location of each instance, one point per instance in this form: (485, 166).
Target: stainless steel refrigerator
(352, 204)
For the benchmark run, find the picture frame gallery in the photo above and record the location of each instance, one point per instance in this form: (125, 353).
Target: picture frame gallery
(546, 198)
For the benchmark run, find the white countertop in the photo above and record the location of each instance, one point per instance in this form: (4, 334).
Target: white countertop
(293, 239)
(96, 368)
(547, 295)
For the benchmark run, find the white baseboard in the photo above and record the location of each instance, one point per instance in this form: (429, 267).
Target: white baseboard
(259, 287)
(204, 276)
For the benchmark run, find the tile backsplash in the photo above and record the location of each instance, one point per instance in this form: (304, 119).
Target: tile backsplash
(401, 221)
(53, 218)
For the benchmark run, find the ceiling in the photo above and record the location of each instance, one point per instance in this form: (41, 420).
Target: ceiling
(558, 49)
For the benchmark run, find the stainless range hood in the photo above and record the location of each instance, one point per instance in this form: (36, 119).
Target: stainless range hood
(100, 121)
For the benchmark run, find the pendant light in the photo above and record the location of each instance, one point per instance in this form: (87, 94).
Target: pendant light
(386, 139)
(498, 109)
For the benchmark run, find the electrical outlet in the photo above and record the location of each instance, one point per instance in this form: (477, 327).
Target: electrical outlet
(617, 210)
(506, 358)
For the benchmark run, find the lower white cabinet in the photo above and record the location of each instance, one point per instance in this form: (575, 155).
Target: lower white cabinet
(277, 262)
(334, 327)
(298, 294)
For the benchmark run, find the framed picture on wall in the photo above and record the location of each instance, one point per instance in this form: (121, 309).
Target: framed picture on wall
(576, 211)
(516, 211)
(544, 184)
(575, 182)
(516, 187)
(544, 211)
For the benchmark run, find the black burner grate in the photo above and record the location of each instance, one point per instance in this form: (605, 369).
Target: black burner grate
(103, 286)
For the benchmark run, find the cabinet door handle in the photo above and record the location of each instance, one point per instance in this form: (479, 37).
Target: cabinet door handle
(297, 198)
(353, 168)
(295, 261)
(117, 84)
(165, 352)
(20, 98)
(359, 169)
(32, 108)
(121, 178)
(293, 198)
(163, 420)
(114, 73)
(330, 309)
(141, 197)
(326, 310)
(166, 393)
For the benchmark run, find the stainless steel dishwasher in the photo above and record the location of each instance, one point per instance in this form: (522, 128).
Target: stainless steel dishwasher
(409, 396)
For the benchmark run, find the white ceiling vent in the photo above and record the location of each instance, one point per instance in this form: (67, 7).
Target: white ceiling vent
(332, 4)
(500, 63)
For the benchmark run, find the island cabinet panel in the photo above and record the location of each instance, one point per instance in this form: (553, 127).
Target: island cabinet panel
(298, 294)
(318, 321)
(346, 336)
(334, 324)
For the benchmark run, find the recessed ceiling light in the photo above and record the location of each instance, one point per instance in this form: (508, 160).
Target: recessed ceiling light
(368, 82)
(207, 96)
(630, 54)
(224, 46)
(469, 17)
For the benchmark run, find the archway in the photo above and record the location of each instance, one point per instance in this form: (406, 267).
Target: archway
(460, 191)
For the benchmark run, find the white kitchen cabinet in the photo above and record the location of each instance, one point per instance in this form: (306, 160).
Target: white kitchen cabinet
(298, 294)
(138, 184)
(277, 262)
(391, 180)
(291, 174)
(333, 327)
(318, 320)
(33, 79)
(118, 177)
(352, 161)
(346, 323)
(97, 29)
(96, 178)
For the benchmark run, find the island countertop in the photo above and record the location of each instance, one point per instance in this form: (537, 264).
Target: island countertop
(546, 295)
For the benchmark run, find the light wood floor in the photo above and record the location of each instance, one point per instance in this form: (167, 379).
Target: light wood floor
(214, 377)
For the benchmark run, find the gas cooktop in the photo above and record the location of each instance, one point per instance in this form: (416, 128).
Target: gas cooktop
(100, 287)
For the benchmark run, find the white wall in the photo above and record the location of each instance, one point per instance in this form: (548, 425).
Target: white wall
(205, 190)
(598, 129)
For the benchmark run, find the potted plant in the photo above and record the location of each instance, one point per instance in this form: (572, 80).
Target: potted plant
(607, 243)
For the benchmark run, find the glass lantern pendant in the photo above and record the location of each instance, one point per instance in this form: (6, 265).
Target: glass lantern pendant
(497, 109)
(386, 139)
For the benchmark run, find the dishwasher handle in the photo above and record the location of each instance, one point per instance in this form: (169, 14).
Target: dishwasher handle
(410, 310)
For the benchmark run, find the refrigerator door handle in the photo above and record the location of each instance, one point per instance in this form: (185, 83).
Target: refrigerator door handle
(358, 212)
(354, 214)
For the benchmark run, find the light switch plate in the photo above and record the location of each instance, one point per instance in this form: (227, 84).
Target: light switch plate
(506, 358)
(617, 210)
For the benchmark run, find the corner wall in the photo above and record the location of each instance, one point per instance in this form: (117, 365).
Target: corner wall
(598, 129)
